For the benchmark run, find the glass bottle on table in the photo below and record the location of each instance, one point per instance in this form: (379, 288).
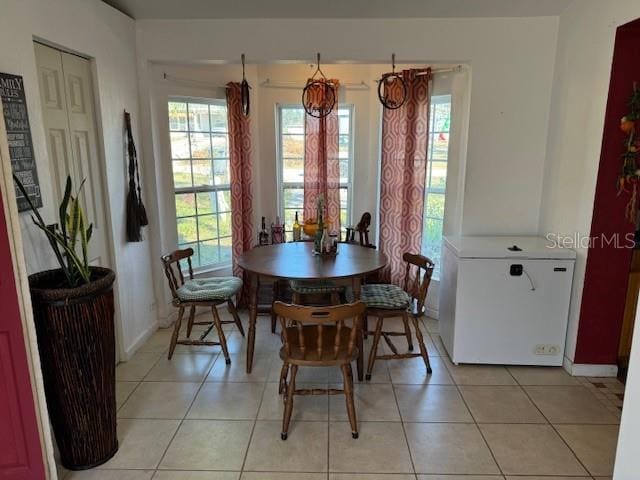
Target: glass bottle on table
(297, 230)
(317, 242)
(324, 241)
(263, 235)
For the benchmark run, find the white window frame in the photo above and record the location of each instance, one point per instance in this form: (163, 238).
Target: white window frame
(200, 188)
(280, 161)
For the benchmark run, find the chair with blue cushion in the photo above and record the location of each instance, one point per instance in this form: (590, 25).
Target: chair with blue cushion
(206, 292)
(387, 301)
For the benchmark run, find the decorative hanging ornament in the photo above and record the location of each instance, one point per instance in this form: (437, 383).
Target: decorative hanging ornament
(244, 91)
(319, 95)
(392, 88)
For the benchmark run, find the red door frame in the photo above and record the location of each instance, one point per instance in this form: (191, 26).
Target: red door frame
(608, 266)
(21, 454)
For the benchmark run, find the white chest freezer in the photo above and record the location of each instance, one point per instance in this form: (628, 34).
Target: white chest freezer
(505, 300)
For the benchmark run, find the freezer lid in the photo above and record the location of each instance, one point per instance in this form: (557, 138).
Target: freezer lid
(502, 247)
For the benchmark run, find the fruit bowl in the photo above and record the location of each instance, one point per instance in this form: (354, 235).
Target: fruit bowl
(310, 228)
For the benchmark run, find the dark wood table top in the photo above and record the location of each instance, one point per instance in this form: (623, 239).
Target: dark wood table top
(296, 260)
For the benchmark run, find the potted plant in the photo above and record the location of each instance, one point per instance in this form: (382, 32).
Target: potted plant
(73, 311)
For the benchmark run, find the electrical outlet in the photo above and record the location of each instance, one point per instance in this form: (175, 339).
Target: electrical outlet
(544, 349)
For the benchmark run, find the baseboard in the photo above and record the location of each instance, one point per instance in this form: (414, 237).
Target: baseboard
(431, 312)
(143, 337)
(589, 370)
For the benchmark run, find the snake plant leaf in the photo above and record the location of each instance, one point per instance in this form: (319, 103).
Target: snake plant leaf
(89, 232)
(63, 207)
(73, 221)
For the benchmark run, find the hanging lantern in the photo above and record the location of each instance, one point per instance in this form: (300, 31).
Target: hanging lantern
(244, 92)
(392, 89)
(319, 95)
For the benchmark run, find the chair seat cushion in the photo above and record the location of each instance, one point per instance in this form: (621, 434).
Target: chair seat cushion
(205, 289)
(310, 334)
(309, 287)
(384, 296)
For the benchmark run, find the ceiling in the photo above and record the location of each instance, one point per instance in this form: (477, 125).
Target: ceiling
(190, 9)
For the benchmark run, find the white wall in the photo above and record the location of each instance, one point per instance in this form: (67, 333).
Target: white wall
(512, 61)
(93, 29)
(580, 88)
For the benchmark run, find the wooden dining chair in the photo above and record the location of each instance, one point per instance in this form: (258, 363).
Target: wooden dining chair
(387, 301)
(192, 293)
(318, 337)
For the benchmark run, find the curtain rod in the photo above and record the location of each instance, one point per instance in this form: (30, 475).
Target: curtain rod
(457, 68)
(267, 83)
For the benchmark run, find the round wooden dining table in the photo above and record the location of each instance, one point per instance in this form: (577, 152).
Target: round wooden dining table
(295, 260)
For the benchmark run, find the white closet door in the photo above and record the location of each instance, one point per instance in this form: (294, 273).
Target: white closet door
(69, 117)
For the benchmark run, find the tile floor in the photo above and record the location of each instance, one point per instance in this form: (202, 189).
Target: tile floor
(195, 418)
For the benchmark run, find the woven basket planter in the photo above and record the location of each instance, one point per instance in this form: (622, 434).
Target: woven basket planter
(76, 340)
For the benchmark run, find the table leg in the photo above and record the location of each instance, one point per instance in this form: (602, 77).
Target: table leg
(253, 315)
(360, 360)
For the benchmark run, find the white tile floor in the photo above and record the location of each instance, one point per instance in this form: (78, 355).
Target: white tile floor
(195, 418)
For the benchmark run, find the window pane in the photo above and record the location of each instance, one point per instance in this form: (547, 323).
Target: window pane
(293, 198)
(344, 171)
(179, 145)
(343, 220)
(200, 145)
(207, 227)
(224, 201)
(220, 146)
(343, 146)
(181, 173)
(343, 126)
(177, 116)
(293, 170)
(440, 146)
(221, 172)
(225, 249)
(292, 120)
(435, 205)
(185, 204)
(344, 198)
(187, 231)
(441, 117)
(200, 153)
(218, 118)
(293, 146)
(209, 252)
(202, 174)
(198, 117)
(438, 175)
(206, 202)
(432, 241)
(224, 224)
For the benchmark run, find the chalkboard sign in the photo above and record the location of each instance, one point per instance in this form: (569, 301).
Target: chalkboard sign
(16, 119)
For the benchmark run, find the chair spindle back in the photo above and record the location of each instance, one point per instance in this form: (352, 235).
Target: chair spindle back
(171, 264)
(417, 278)
(321, 318)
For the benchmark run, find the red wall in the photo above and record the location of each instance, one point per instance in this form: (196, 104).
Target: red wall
(607, 268)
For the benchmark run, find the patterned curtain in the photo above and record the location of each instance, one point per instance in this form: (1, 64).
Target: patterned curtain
(403, 170)
(241, 175)
(321, 165)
